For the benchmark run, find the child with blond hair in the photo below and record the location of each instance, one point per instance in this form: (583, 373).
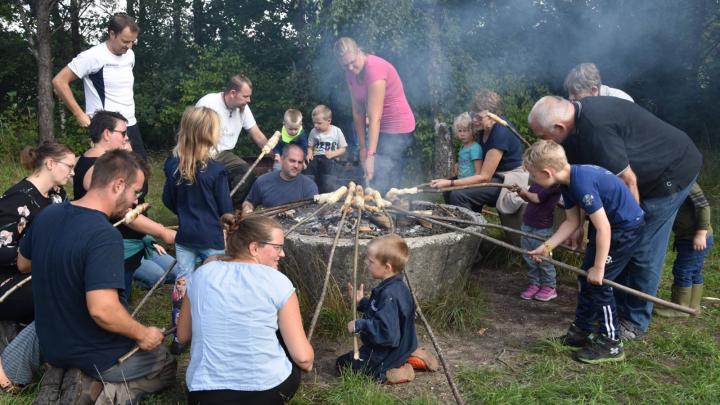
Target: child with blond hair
(292, 133)
(325, 144)
(470, 154)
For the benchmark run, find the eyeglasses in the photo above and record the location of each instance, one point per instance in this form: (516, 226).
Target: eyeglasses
(123, 133)
(139, 194)
(277, 246)
(70, 167)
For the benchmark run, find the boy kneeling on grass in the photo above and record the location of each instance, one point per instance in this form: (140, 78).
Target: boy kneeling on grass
(387, 328)
(616, 220)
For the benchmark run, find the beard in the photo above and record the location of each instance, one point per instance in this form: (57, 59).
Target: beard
(121, 206)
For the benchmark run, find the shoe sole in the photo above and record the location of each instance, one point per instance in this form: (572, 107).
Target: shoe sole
(545, 299)
(600, 361)
(526, 299)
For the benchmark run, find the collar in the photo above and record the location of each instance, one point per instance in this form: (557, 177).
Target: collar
(398, 278)
(578, 112)
(287, 138)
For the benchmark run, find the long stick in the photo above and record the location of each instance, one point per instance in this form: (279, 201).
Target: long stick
(446, 369)
(505, 124)
(135, 349)
(360, 203)
(154, 287)
(454, 188)
(265, 150)
(284, 207)
(14, 288)
(304, 220)
(575, 270)
(132, 214)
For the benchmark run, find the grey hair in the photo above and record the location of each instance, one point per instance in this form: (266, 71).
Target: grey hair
(547, 112)
(582, 78)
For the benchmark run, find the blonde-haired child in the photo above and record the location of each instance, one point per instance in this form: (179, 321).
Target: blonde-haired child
(325, 144)
(470, 155)
(292, 133)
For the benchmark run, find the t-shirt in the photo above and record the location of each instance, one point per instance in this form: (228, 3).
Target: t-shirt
(615, 133)
(397, 117)
(330, 140)
(541, 215)
(74, 250)
(108, 80)
(504, 140)
(270, 189)
(466, 159)
(198, 206)
(234, 310)
(232, 121)
(613, 92)
(592, 188)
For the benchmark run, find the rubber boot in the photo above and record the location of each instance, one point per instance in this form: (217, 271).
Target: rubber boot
(696, 296)
(680, 295)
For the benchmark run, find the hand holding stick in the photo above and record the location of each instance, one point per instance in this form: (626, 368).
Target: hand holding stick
(131, 215)
(135, 349)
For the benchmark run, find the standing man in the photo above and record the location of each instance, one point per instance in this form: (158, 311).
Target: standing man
(107, 73)
(658, 163)
(80, 320)
(584, 81)
(234, 111)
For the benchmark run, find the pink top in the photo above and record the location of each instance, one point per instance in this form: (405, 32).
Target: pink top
(397, 117)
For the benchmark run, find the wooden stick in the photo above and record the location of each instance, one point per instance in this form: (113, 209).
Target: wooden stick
(284, 207)
(505, 124)
(360, 199)
(15, 288)
(446, 369)
(454, 188)
(135, 349)
(131, 215)
(575, 270)
(154, 287)
(307, 218)
(265, 150)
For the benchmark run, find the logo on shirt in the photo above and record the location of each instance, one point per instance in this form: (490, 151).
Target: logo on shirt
(372, 305)
(587, 200)
(609, 260)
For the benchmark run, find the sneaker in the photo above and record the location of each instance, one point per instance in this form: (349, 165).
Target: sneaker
(601, 350)
(546, 293)
(575, 337)
(628, 331)
(530, 292)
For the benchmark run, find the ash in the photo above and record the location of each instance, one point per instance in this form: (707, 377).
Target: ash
(325, 223)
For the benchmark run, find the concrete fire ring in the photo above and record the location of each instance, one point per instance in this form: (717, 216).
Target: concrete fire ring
(439, 264)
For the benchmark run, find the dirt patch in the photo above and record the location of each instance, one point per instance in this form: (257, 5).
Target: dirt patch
(513, 325)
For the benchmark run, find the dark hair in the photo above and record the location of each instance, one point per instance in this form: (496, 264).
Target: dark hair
(119, 21)
(117, 164)
(101, 121)
(487, 100)
(33, 157)
(243, 229)
(236, 82)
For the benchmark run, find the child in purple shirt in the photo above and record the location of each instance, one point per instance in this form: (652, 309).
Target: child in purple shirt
(538, 220)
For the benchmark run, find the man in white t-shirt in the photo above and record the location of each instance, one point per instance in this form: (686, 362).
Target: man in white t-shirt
(584, 81)
(107, 73)
(235, 115)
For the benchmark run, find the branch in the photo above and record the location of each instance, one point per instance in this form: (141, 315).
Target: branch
(24, 19)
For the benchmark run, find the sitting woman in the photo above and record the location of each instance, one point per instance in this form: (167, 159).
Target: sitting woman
(52, 165)
(502, 161)
(232, 310)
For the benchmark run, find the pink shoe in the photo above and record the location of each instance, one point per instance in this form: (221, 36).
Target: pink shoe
(546, 293)
(530, 292)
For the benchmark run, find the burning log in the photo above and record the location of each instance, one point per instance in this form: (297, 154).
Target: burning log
(269, 145)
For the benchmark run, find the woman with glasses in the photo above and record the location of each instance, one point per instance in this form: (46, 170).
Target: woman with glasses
(52, 166)
(232, 311)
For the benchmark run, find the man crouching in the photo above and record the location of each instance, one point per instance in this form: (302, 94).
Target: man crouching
(76, 259)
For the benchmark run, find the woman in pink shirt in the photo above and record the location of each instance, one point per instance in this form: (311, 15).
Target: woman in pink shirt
(378, 95)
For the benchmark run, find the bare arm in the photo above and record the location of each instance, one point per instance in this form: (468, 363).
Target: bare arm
(489, 166)
(23, 263)
(257, 136)
(106, 310)
(88, 178)
(61, 83)
(291, 328)
(147, 226)
(628, 176)
(331, 154)
(601, 223)
(184, 322)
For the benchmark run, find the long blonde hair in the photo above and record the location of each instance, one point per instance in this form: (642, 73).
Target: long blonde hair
(199, 132)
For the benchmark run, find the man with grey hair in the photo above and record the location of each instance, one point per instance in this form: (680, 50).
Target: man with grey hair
(584, 81)
(657, 162)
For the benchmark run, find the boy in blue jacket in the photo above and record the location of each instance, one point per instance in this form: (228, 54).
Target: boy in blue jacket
(387, 329)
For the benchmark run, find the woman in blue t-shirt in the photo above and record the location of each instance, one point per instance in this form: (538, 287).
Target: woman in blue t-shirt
(232, 311)
(502, 161)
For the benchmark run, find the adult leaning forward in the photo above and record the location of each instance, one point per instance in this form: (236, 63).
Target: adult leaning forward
(232, 311)
(502, 161)
(657, 162)
(378, 95)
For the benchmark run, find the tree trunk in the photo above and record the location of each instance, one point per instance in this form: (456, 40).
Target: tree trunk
(45, 100)
(130, 7)
(443, 159)
(75, 38)
(178, 7)
(198, 22)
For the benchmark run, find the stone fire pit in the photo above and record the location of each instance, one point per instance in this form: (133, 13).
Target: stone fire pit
(439, 263)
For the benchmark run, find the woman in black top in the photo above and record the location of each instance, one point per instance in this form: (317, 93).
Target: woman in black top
(52, 165)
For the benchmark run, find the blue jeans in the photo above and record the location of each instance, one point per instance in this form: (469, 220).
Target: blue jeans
(643, 271)
(542, 273)
(152, 269)
(188, 258)
(687, 269)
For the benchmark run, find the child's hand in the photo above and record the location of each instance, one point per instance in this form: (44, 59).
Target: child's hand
(539, 252)
(515, 188)
(277, 157)
(440, 183)
(309, 155)
(595, 275)
(360, 293)
(700, 240)
(351, 327)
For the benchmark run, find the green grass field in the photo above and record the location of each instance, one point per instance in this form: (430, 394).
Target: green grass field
(679, 361)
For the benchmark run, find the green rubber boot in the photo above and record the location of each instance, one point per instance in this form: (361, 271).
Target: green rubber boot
(695, 296)
(680, 295)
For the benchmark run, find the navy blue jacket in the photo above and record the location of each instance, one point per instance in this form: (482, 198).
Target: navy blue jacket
(387, 328)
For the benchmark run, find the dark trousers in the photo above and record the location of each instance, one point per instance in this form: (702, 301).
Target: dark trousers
(597, 302)
(687, 269)
(276, 395)
(138, 147)
(390, 161)
(131, 264)
(475, 198)
(322, 171)
(236, 169)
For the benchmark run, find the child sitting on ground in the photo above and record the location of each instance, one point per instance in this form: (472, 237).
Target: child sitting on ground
(292, 132)
(387, 329)
(470, 155)
(325, 144)
(693, 241)
(538, 221)
(616, 221)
